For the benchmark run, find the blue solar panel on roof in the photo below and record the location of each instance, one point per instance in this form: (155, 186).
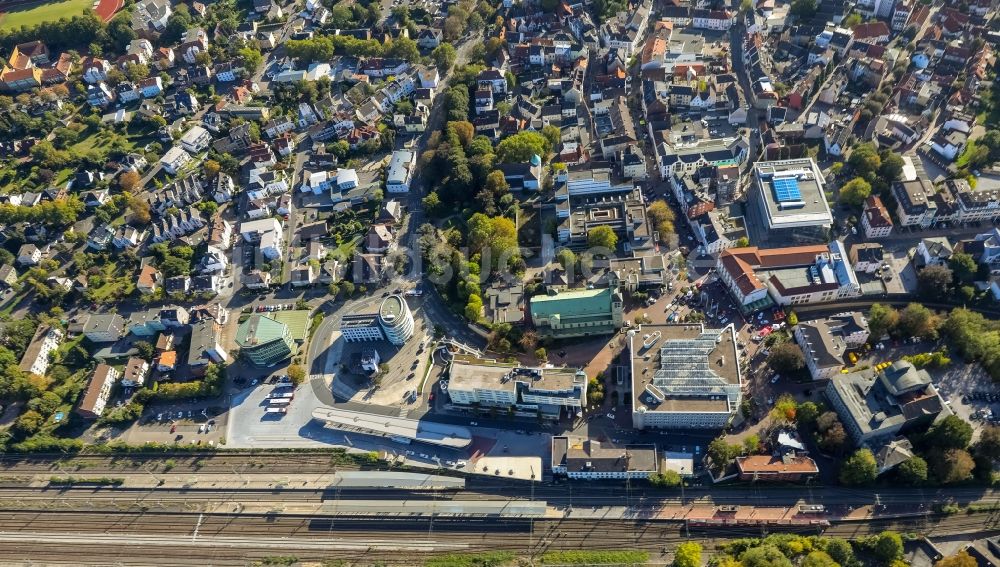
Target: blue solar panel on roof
(786, 189)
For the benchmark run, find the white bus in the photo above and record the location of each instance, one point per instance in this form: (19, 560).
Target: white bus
(275, 410)
(281, 395)
(279, 403)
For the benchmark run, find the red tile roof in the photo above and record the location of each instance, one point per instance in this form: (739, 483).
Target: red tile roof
(768, 464)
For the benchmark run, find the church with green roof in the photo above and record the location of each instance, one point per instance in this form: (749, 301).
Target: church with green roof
(578, 313)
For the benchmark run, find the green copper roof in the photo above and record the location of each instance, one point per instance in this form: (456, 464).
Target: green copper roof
(257, 330)
(572, 303)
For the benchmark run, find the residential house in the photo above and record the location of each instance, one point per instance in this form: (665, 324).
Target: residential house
(8, 275)
(29, 255)
(175, 159)
(875, 219)
(99, 95)
(149, 280)
(136, 371)
(915, 205)
(151, 14)
(95, 70)
(400, 171)
(150, 87)
(267, 234)
(588, 459)
(867, 257)
(935, 251)
(196, 140)
(429, 38)
(379, 239)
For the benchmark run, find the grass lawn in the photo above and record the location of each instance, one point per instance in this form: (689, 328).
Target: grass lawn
(38, 12)
(116, 284)
(346, 249)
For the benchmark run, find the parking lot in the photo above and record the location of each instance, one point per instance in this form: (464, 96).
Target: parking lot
(185, 423)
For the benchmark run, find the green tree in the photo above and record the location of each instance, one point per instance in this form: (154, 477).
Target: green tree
(667, 479)
(602, 237)
(988, 445)
(787, 357)
(887, 546)
(913, 471)
(566, 259)
(721, 453)
(495, 188)
(855, 191)
(474, 308)
(840, 550)
(146, 351)
(806, 414)
(953, 465)
(553, 135)
(661, 216)
(891, 168)
(764, 556)
(951, 432)
(541, 354)
(864, 159)
(457, 102)
(521, 146)
(432, 203)
(498, 234)
(882, 320)
(819, 559)
(687, 554)
(404, 48)
(963, 267)
(918, 321)
(859, 469)
(346, 288)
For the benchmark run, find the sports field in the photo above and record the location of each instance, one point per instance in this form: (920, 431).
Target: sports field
(33, 13)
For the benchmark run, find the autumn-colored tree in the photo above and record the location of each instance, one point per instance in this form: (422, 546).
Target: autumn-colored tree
(211, 168)
(139, 209)
(128, 181)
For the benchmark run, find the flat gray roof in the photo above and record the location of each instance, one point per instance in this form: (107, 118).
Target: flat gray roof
(453, 436)
(792, 192)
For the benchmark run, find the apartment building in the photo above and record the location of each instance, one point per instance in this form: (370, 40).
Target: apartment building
(95, 397)
(915, 205)
(35, 359)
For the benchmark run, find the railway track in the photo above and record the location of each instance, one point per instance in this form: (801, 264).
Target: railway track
(225, 539)
(221, 462)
